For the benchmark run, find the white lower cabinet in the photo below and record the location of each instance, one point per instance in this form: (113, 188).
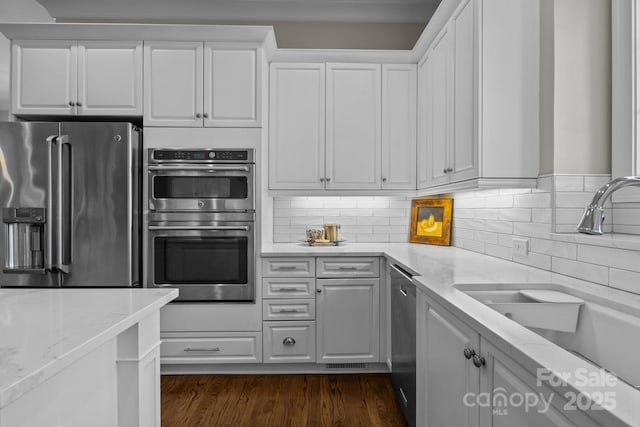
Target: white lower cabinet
(289, 342)
(218, 347)
(467, 381)
(321, 309)
(348, 326)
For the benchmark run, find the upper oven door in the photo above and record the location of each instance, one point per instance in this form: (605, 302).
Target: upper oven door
(205, 187)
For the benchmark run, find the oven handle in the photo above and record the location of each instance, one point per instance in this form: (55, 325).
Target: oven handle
(200, 227)
(200, 168)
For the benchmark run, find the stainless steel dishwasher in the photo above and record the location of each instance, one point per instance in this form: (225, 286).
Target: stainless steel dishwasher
(403, 341)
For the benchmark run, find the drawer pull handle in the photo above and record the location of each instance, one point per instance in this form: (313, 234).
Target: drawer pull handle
(286, 290)
(347, 268)
(288, 310)
(287, 267)
(202, 349)
(288, 341)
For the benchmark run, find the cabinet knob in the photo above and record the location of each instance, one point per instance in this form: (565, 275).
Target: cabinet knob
(288, 341)
(71, 103)
(328, 179)
(469, 353)
(205, 115)
(321, 179)
(319, 291)
(478, 361)
(79, 104)
(198, 116)
(384, 179)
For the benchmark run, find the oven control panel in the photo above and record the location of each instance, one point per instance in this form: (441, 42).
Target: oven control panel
(202, 155)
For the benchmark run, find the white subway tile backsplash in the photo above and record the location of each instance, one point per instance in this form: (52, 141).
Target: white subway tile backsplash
(611, 257)
(499, 202)
(581, 270)
(376, 203)
(486, 221)
(498, 251)
(569, 183)
(487, 214)
(356, 212)
(593, 183)
(397, 212)
(373, 220)
(307, 203)
(554, 248)
(533, 200)
(572, 199)
(515, 214)
(531, 229)
(541, 215)
(626, 280)
(534, 260)
(340, 203)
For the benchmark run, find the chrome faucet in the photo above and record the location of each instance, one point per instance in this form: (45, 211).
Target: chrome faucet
(593, 216)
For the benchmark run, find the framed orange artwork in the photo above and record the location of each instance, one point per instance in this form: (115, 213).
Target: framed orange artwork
(431, 221)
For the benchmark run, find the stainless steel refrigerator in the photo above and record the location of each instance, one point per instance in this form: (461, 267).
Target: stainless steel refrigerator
(70, 204)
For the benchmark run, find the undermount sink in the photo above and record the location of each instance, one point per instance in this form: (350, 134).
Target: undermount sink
(536, 306)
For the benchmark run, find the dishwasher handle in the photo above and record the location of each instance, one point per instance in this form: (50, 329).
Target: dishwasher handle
(402, 271)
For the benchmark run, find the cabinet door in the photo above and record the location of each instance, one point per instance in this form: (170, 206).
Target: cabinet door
(353, 126)
(110, 78)
(424, 116)
(449, 375)
(399, 127)
(173, 84)
(347, 320)
(463, 158)
(44, 77)
(232, 87)
(507, 383)
(297, 126)
(439, 116)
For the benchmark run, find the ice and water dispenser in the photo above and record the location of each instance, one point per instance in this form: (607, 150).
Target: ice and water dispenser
(24, 243)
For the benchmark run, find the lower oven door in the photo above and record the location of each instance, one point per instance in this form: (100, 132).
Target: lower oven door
(206, 262)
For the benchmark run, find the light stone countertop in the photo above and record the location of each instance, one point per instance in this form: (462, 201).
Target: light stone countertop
(437, 269)
(43, 331)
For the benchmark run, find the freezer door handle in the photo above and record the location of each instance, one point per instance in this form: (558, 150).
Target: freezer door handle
(65, 203)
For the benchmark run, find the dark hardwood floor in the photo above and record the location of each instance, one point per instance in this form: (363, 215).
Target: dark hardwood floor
(338, 400)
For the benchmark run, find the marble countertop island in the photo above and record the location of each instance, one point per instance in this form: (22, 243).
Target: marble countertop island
(44, 331)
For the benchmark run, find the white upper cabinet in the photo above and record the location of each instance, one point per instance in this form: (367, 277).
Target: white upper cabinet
(231, 87)
(196, 84)
(353, 126)
(297, 126)
(340, 126)
(478, 107)
(68, 77)
(399, 126)
(110, 78)
(173, 84)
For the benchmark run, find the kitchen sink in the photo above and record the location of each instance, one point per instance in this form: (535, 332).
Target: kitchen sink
(536, 306)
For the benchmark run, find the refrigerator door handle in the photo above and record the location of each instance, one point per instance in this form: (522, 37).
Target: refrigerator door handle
(50, 255)
(64, 217)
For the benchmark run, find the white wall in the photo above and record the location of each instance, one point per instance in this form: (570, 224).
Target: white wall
(15, 11)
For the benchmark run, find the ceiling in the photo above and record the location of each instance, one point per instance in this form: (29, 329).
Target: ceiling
(238, 11)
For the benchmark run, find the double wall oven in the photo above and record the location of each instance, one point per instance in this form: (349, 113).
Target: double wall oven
(202, 223)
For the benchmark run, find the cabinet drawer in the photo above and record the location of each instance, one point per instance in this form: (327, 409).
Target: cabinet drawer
(288, 267)
(348, 267)
(231, 347)
(289, 309)
(289, 342)
(288, 287)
